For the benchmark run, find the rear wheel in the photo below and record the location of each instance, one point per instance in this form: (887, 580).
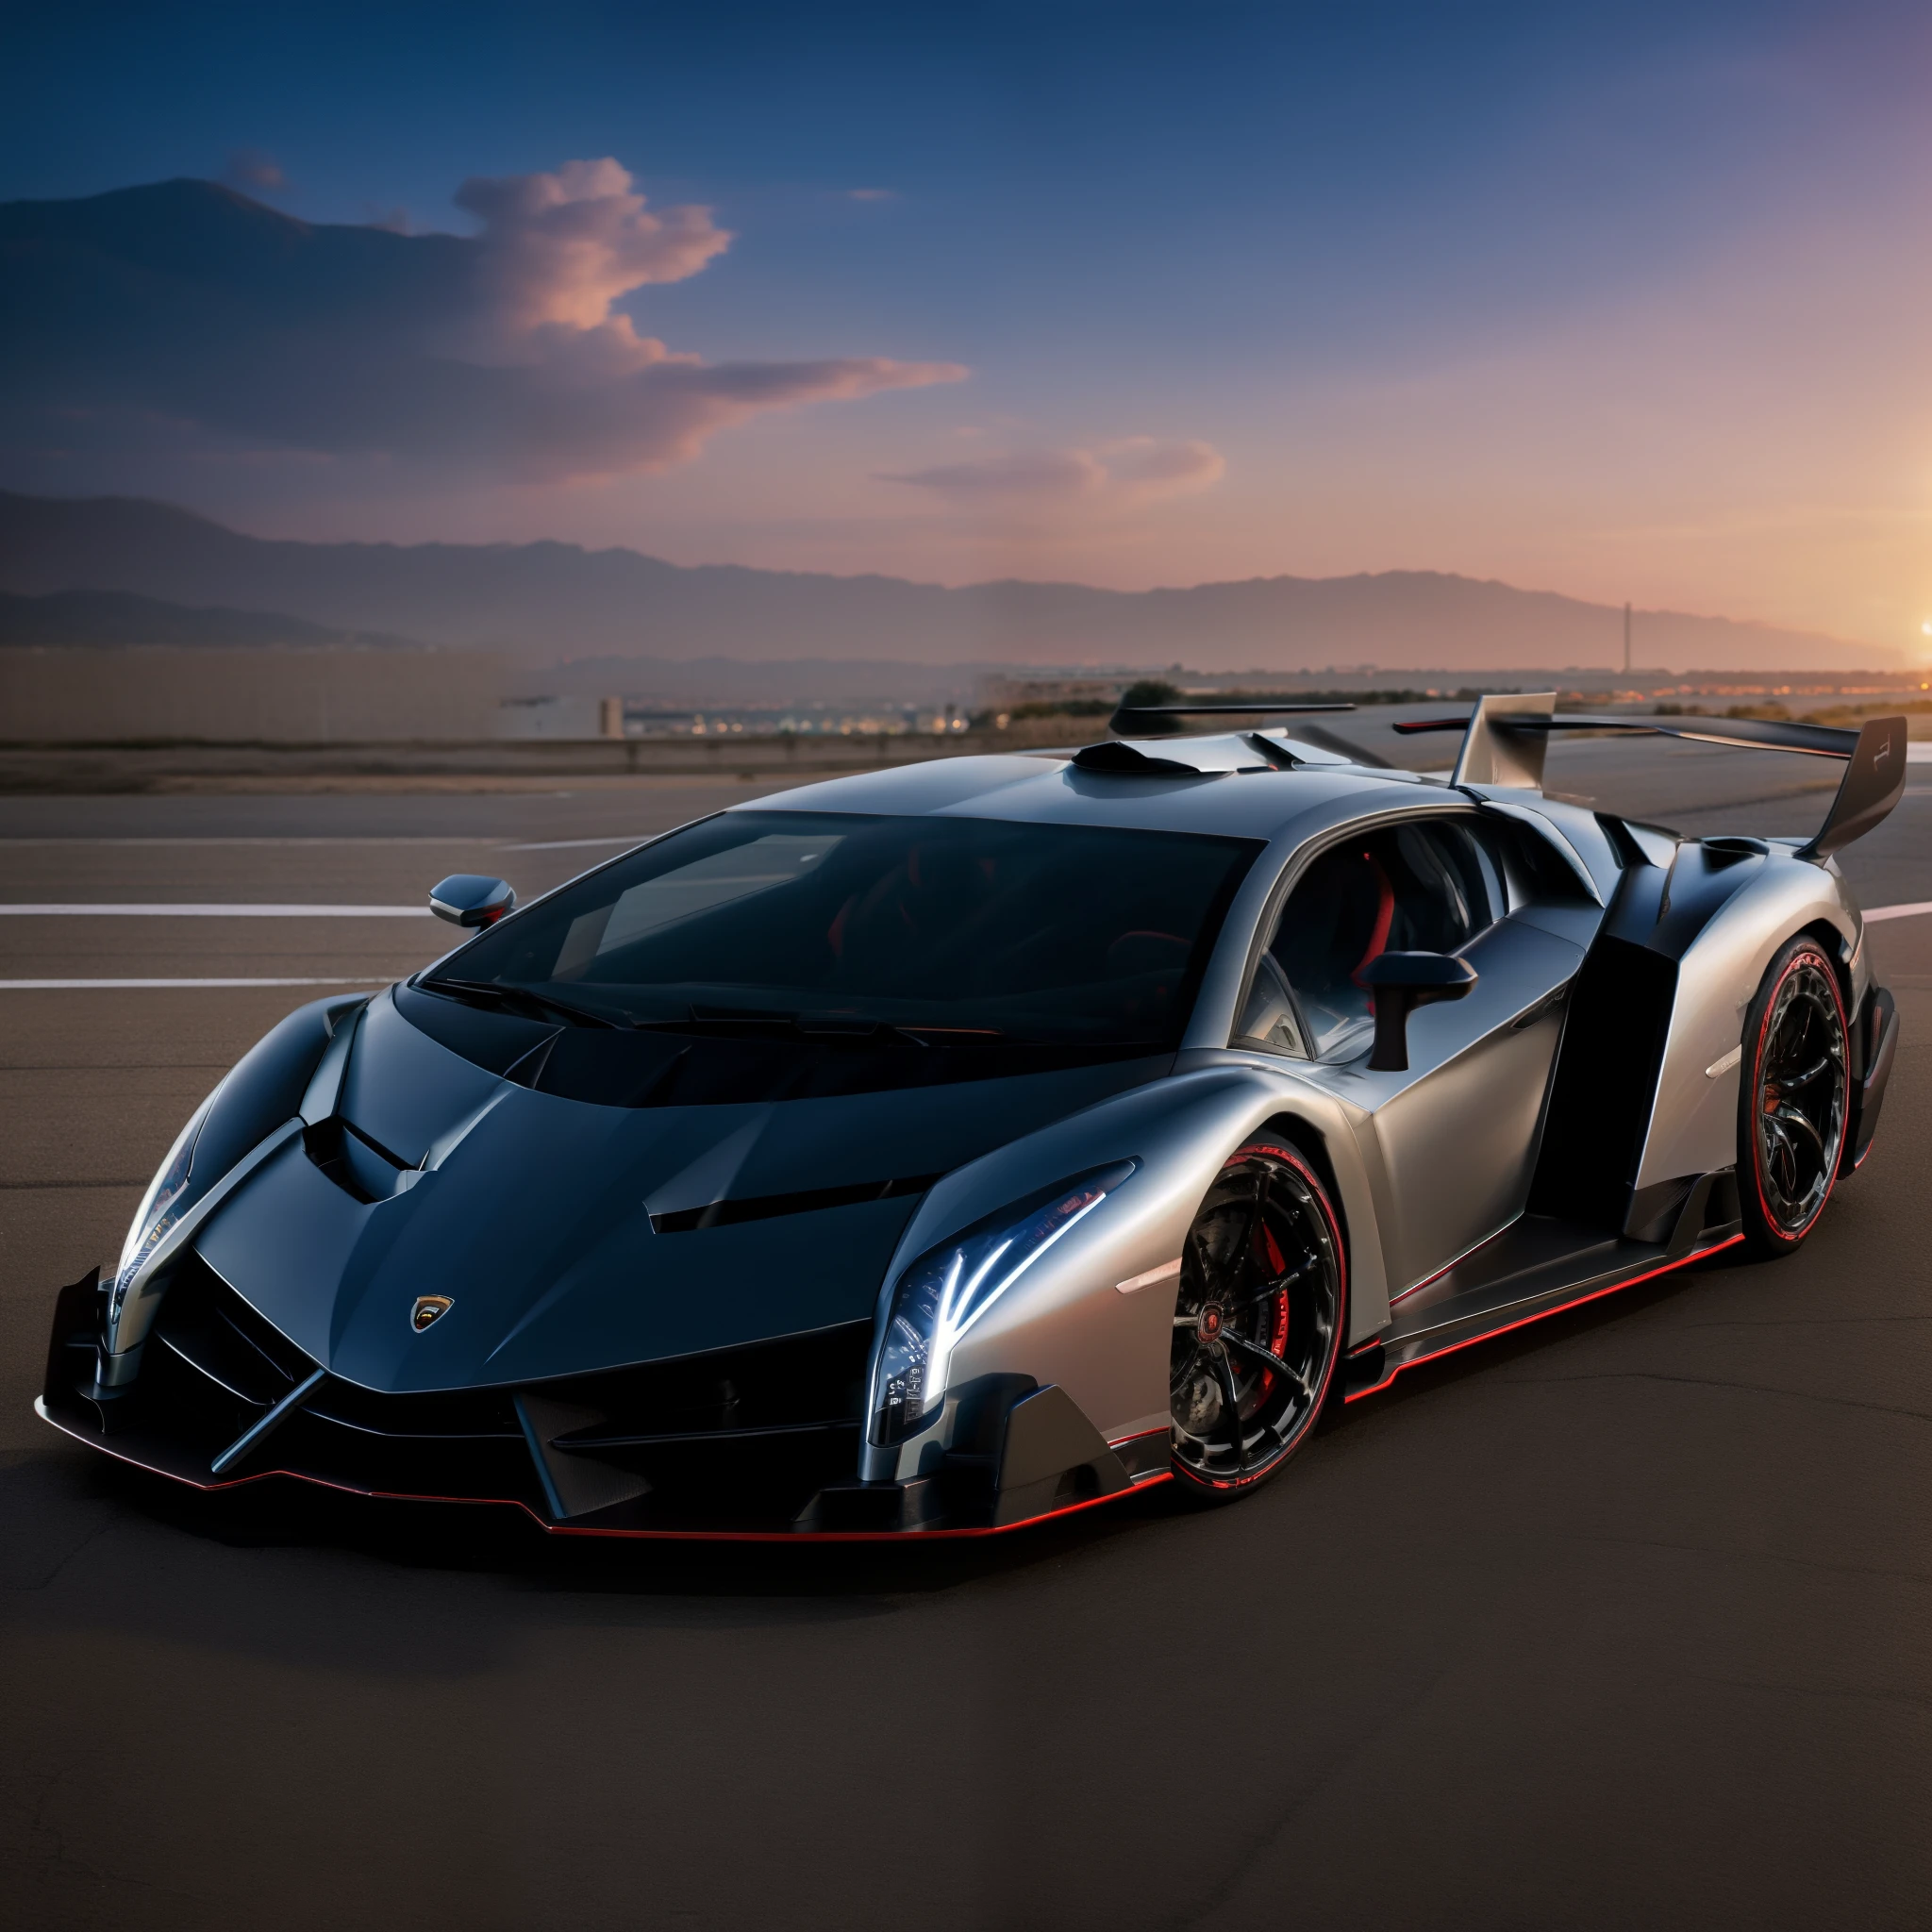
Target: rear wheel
(1791, 1098)
(1258, 1322)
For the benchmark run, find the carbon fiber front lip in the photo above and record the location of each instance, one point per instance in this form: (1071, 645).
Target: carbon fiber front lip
(1149, 1480)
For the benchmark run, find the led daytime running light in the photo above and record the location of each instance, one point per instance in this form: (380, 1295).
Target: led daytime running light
(950, 1287)
(156, 1214)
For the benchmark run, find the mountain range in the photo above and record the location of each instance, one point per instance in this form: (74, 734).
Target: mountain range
(120, 616)
(550, 603)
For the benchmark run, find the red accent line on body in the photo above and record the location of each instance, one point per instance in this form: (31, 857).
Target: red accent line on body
(1542, 1314)
(676, 1536)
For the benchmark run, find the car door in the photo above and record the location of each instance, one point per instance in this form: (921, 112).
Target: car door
(1457, 1132)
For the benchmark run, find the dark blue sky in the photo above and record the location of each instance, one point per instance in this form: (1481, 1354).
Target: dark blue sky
(1397, 267)
(1331, 156)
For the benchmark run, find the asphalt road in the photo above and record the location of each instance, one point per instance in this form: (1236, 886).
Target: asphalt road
(1621, 1620)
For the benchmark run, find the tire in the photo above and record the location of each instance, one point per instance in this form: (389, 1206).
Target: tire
(1793, 1090)
(1259, 1318)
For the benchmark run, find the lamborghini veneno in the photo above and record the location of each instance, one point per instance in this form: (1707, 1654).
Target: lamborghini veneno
(941, 1149)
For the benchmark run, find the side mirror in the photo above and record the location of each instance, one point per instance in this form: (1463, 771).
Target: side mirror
(467, 898)
(1400, 982)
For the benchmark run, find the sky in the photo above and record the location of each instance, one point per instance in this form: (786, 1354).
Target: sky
(1629, 303)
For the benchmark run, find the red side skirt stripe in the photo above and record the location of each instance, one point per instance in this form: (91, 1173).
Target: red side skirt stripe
(1541, 1314)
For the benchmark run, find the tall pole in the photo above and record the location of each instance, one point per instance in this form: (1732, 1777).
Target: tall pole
(1626, 641)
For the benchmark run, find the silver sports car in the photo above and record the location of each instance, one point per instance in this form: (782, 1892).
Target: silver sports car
(943, 1149)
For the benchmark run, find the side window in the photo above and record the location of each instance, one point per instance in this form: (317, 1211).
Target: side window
(1426, 887)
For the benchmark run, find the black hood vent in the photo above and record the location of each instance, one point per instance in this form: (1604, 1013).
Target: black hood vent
(768, 1207)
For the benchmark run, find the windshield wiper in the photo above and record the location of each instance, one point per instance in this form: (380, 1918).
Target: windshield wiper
(752, 1021)
(836, 1027)
(525, 999)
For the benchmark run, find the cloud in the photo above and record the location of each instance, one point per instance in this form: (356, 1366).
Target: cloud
(1061, 474)
(563, 247)
(1128, 473)
(185, 310)
(1152, 471)
(254, 172)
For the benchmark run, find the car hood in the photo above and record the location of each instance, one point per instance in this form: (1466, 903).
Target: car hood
(571, 1236)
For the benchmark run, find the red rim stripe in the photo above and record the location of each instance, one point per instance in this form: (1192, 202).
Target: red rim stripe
(1300, 1164)
(1792, 1236)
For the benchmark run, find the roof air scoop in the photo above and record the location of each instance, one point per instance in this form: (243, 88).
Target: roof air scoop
(1120, 760)
(1183, 757)
(1167, 751)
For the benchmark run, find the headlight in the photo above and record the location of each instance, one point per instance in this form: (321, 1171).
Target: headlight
(947, 1290)
(160, 1208)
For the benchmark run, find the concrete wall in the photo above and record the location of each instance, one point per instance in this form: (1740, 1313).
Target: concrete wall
(556, 716)
(82, 695)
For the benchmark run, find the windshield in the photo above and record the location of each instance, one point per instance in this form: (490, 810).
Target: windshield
(944, 930)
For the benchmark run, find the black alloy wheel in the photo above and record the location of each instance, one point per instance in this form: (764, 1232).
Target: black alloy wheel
(1257, 1323)
(1792, 1099)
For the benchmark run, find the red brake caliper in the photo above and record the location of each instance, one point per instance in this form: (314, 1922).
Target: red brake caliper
(1277, 1266)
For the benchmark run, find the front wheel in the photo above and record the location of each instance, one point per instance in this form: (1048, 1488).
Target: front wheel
(1791, 1098)
(1258, 1323)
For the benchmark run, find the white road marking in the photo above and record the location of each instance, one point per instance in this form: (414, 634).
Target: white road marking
(125, 985)
(292, 839)
(1911, 911)
(1920, 753)
(119, 910)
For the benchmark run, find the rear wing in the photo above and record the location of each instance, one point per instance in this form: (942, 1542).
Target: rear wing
(1505, 740)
